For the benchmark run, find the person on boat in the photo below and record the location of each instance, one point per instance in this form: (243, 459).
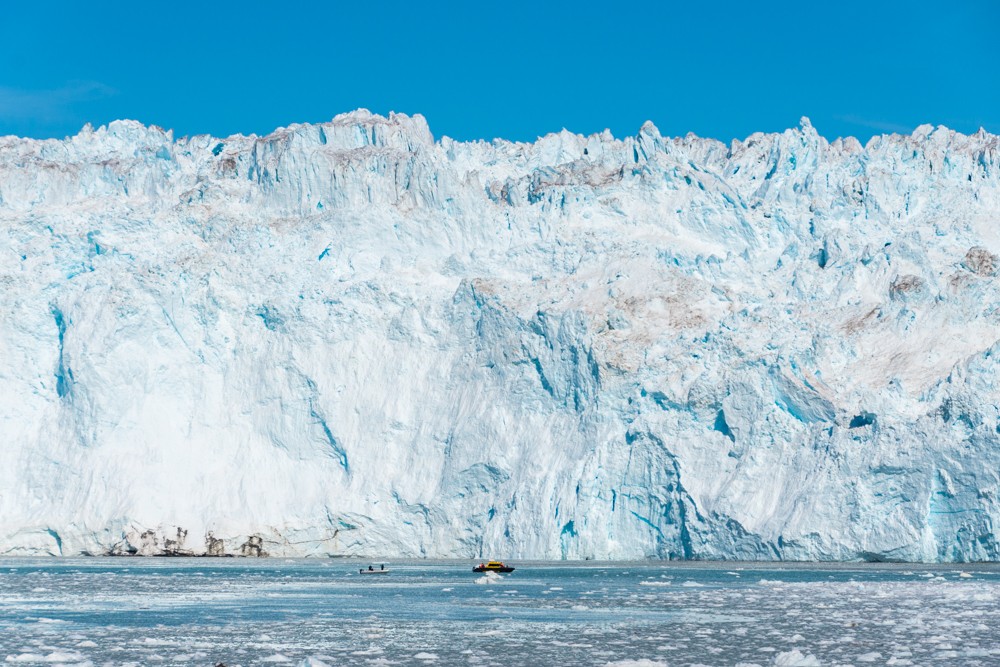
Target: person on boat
(371, 569)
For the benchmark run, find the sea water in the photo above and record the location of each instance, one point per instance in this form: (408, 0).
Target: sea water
(175, 611)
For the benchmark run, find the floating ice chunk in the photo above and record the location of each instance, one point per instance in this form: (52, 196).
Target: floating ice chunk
(795, 658)
(663, 583)
(980, 652)
(427, 657)
(692, 584)
(869, 657)
(86, 643)
(313, 662)
(277, 657)
(489, 578)
(965, 575)
(644, 662)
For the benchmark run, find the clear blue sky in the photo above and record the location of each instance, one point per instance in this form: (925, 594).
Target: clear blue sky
(516, 70)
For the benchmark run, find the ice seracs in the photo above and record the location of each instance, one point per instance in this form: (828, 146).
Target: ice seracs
(349, 338)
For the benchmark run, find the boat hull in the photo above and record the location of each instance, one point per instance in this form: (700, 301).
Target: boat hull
(493, 569)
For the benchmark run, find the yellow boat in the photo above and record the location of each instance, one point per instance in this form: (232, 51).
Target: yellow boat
(493, 566)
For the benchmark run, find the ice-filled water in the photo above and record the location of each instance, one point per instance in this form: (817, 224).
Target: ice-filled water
(311, 612)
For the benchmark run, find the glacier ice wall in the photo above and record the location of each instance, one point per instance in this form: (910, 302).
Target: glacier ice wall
(352, 339)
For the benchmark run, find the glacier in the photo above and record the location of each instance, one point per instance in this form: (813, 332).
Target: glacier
(352, 339)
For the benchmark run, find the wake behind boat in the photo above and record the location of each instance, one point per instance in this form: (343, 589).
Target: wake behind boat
(493, 566)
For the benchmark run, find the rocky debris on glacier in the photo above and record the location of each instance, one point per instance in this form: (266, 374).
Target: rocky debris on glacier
(349, 339)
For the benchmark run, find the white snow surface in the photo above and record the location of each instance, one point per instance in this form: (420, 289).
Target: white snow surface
(352, 339)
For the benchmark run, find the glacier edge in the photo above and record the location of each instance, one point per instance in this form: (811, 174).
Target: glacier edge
(352, 339)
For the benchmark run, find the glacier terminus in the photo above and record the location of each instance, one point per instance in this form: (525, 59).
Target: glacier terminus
(350, 338)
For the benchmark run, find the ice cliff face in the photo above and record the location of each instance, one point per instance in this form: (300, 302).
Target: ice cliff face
(348, 338)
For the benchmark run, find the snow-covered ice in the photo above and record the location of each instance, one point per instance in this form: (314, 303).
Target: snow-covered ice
(349, 338)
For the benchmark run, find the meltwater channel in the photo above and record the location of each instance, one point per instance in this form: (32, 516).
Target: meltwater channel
(132, 611)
